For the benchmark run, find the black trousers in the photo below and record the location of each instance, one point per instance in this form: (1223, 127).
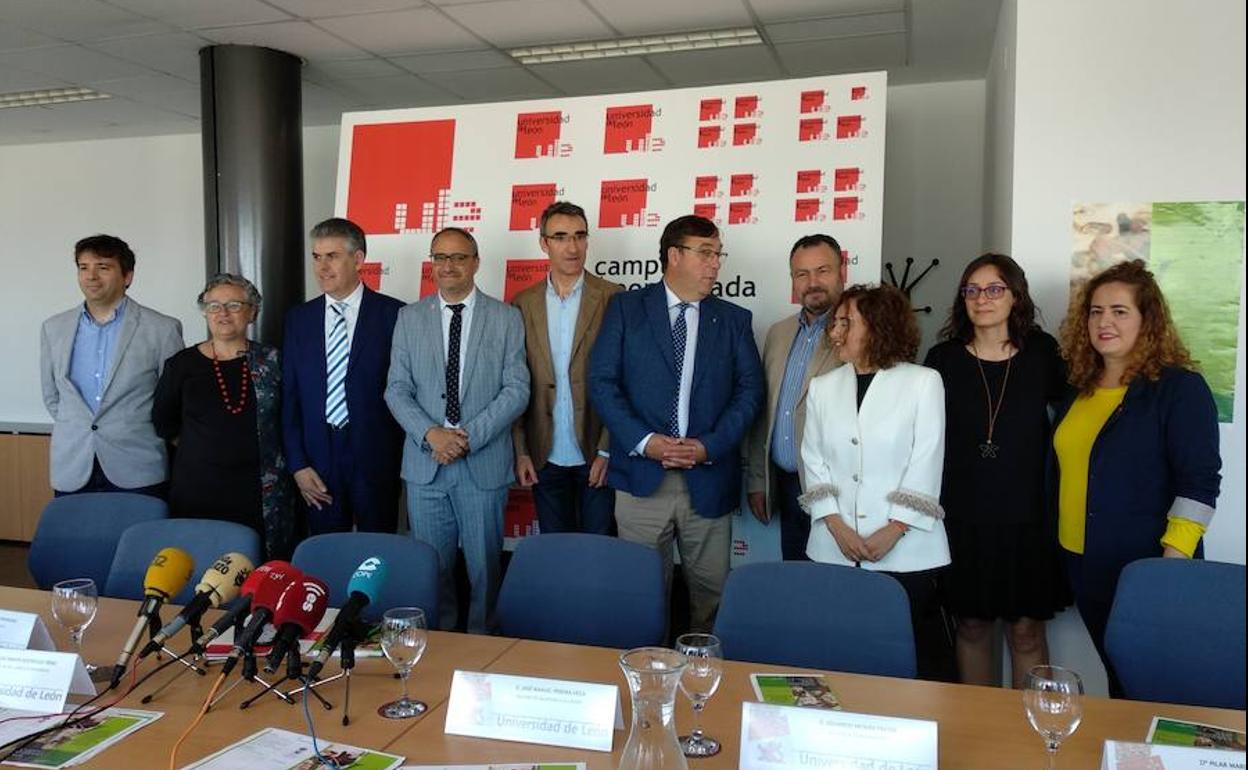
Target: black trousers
(933, 633)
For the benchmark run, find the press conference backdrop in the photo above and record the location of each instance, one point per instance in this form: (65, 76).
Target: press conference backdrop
(768, 162)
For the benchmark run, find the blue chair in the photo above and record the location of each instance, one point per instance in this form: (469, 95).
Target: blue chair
(817, 616)
(584, 589)
(1176, 632)
(411, 569)
(203, 539)
(77, 534)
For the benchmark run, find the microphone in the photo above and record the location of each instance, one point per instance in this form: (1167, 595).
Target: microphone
(362, 591)
(168, 574)
(240, 608)
(300, 607)
(219, 584)
(270, 589)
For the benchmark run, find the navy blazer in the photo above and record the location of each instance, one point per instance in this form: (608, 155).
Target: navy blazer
(633, 380)
(1157, 455)
(376, 439)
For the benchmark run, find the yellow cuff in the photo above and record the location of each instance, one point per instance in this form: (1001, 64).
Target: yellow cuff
(1183, 535)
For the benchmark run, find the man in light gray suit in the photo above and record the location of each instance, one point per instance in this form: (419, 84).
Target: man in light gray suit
(99, 363)
(458, 380)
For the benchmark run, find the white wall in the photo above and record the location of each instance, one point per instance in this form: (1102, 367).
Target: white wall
(1125, 100)
(933, 189)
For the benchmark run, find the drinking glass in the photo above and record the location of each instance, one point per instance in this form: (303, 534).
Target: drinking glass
(699, 681)
(1053, 699)
(74, 603)
(403, 640)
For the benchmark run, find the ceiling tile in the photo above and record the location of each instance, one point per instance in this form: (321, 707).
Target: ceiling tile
(14, 38)
(424, 29)
(14, 79)
(837, 27)
(727, 65)
(830, 57)
(300, 38)
(394, 90)
(192, 14)
(318, 97)
(484, 85)
(451, 61)
(72, 63)
(137, 87)
(175, 54)
(346, 69)
(786, 10)
(319, 9)
(508, 23)
(648, 17)
(77, 20)
(603, 76)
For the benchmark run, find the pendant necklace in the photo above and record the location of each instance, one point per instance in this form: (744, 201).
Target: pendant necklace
(233, 409)
(988, 449)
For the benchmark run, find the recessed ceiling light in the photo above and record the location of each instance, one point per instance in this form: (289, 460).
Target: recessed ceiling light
(49, 96)
(636, 46)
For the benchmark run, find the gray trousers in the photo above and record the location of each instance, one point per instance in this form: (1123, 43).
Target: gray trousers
(703, 543)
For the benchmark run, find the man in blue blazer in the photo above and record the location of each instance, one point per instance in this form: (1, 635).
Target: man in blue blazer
(341, 442)
(676, 377)
(458, 380)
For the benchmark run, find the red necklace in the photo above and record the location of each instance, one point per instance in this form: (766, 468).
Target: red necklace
(225, 394)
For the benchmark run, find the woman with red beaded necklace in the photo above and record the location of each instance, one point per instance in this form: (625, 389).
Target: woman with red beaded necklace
(218, 403)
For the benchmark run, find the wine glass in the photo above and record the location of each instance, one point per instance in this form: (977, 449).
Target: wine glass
(74, 603)
(699, 681)
(1053, 699)
(403, 640)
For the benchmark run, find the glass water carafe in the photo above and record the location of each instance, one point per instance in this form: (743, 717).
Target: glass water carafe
(653, 674)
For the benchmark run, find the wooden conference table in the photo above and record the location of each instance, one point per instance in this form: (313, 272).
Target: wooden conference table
(980, 727)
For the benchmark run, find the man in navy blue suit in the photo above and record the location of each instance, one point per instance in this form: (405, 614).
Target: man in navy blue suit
(341, 442)
(676, 376)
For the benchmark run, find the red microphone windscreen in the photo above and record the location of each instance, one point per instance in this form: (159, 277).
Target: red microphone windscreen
(303, 604)
(271, 586)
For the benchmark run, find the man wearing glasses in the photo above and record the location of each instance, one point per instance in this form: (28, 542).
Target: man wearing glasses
(341, 442)
(560, 443)
(457, 383)
(99, 363)
(794, 352)
(676, 377)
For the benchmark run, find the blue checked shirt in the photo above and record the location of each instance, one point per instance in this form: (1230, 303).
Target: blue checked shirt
(784, 449)
(560, 329)
(92, 354)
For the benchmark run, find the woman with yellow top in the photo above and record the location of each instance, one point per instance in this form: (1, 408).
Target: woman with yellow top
(1137, 449)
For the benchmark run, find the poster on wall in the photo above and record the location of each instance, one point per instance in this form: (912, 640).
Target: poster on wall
(767, 162)
(1196, 251)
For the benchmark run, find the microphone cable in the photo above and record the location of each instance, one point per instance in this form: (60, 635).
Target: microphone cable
(173, 753)
(307, 715)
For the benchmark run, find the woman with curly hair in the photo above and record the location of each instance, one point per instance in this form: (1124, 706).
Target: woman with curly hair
(1137, 448)
(872, 452)
(1001, 373)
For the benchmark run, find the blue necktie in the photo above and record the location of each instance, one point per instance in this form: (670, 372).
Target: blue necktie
(680, 334)
(337, 351)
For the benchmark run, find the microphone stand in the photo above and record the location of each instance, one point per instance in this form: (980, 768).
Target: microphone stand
(190, 665)
(356, 634)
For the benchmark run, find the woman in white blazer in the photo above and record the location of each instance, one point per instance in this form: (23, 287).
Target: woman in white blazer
(873, 455)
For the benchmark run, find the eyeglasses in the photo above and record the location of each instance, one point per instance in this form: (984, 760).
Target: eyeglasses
(563, 238)
(454, 259)
(991, 291)
(706, 254)
(233, 306)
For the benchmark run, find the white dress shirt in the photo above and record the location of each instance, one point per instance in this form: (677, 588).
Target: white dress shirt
(686, 369)
(353, 300)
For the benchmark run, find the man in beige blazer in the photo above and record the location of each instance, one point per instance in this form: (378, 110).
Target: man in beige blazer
(560, 442)
(795, 351)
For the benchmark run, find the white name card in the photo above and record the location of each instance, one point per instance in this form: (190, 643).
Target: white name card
(1120, 755)
(23, 630)
(554, 712)
(33, 680)
(790, 737)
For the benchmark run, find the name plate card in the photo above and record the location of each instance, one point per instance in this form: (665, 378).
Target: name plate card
(791, 737)
(554, 712)
(1120, 755)
(33, 680)
(23, 630)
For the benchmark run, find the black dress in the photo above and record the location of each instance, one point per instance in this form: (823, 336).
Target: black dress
(1002, 539)
(216, 465)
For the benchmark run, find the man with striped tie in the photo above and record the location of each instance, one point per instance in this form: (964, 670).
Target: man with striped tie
(341, 442)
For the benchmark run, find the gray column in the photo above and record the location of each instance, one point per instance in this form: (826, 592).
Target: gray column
(253, 174)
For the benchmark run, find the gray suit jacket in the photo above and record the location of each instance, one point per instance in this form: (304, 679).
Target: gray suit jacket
(494, 387)
(120, 433)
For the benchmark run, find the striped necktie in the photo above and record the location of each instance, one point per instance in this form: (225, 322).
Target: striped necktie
(680, 335)
(337, 351)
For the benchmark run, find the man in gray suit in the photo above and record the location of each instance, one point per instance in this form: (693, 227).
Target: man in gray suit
(99, 363)
(458, 380)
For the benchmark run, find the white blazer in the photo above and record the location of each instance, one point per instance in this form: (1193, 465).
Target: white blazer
(883, 461)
